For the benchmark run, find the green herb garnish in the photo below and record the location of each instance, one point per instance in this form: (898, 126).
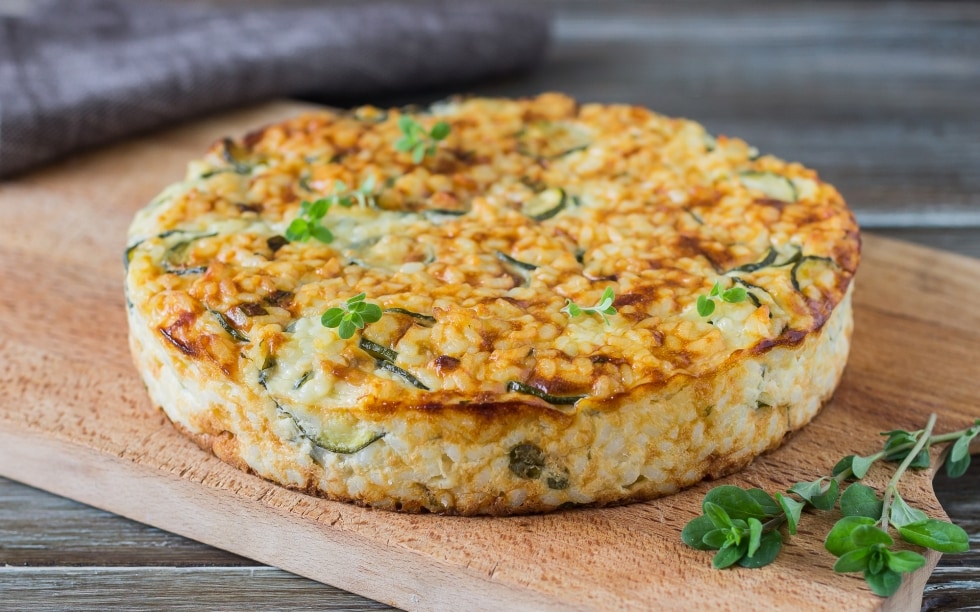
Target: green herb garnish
(732, 295)
(743, 525)
(602, 308)
(308, 223)
(417, 140)
(352, 316)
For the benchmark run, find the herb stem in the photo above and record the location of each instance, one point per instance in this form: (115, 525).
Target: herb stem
(923, 441)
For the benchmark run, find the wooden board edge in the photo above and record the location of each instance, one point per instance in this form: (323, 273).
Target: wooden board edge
(122, 487)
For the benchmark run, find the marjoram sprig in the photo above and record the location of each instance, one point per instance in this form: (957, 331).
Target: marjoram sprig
(744, 525)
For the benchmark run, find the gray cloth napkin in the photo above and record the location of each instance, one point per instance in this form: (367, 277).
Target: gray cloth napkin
(77, 73)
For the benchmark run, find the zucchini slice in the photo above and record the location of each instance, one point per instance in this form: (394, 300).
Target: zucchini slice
(376, 350)
(423, 319)
(811, 270)
(762, 263)
(546, 204)
(775, 186)
(382, 364)
(334, 436)
(516, 268)
(552, 139)
(223, 322)
(519, 387)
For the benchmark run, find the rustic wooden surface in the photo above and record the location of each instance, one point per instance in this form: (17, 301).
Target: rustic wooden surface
(881, 97)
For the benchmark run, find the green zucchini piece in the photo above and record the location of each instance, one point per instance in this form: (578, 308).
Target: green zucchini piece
(266, 370)
(426, 320)
(305, 378)
(517, 263)
(519, 387)
(376, 350)
(762, 263)
(334, 437)
(776, 186)
(232, 153)
(382, 364)
(175, 255)
(546, 204)
(223, 322)
(805, 271)
(552, 139)
(792, 259)
(516, 268)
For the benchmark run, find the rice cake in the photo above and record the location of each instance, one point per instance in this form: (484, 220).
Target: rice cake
(497, 380)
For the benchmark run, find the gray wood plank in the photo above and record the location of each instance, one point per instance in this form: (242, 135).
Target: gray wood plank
(175, 589)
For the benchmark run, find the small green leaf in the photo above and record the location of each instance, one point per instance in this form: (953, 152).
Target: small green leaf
(861, 465)
(769, 547)
(705, 306)
(735, 501)
(573, 309)
(905, 561)
(769, 506)
(955, 469)
(717, 515)
(371, 313)
(961, 448)
(876, 558)
(937, 535)
(346, 329)
(715, 290)
(440, 130)
(318, 209)
(332, 317)
(827, 499)
(357, 298)
(852, 532)
(755, 536)
(901, 514)
(418, 153)
(404, 144)
(716, 538)
(728, 555)
(356, 319)
(860, 500)
(854, 561)
(821, 493)
(298, 231)
(793, 509)
(694, 532)
(884, 584)
(843, 465)
(734, 295)
(322, 234)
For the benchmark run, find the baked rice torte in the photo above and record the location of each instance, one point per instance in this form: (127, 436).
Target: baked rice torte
(562, 304)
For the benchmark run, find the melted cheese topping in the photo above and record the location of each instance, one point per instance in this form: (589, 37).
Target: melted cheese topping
(653, 207)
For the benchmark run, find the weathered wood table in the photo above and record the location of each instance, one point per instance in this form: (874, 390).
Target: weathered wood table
(882, 98)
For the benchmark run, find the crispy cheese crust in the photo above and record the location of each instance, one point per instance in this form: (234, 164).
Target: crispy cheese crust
(477, 391)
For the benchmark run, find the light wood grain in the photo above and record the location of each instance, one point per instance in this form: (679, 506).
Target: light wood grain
(89, 433)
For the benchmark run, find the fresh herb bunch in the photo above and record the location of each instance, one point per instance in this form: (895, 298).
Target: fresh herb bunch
(417, 140)
(354, 315)
(308, 224)
(732, 295)
(743, 525)
(602, 308)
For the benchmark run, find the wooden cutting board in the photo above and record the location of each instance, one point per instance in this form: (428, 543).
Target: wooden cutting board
(75, 420)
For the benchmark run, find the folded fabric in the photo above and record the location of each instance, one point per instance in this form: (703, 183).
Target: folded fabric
(76, 73)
